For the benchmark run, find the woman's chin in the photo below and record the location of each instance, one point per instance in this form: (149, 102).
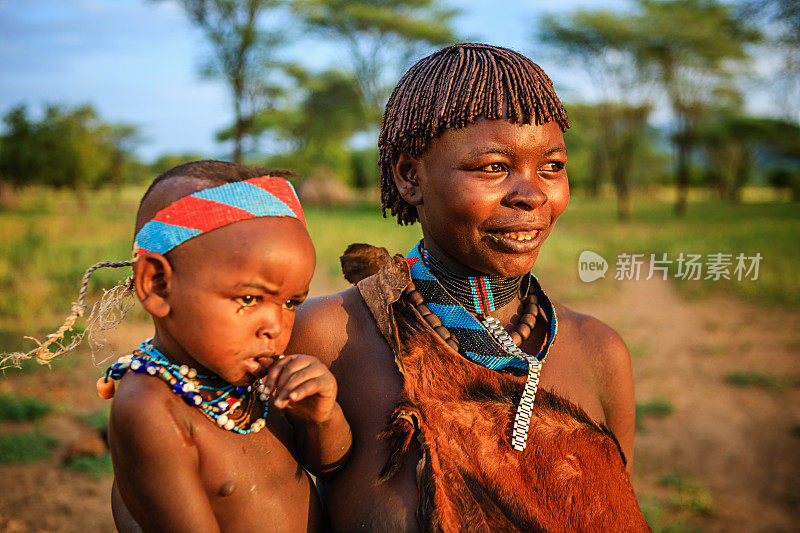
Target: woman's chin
(513, 265)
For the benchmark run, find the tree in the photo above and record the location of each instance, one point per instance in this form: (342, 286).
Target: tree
(317, 126)
(736, 144)
(72, 151)
(68, 147)
(17, 154)
(692, 48)
(382, 37)
(121, 140)
(243, 54)
(601, 42)
(689, 50)
(779, 21)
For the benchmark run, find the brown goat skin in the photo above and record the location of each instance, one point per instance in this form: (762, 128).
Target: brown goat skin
(570, 477)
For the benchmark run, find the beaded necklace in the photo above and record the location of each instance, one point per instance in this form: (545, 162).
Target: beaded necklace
(231, 407)
(482, 339)
(478, 293)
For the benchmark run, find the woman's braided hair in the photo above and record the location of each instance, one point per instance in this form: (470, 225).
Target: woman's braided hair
(453, 88)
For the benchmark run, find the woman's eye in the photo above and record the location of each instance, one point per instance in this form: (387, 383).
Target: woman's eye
(494, 167)
(290, 304)
(247, 301)
(553, 166)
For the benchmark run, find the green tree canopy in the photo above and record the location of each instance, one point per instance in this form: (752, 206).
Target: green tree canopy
(382, 38)
(693, 49)
(601, 42)
(244, 54)
(689, 51)
(316, 127)
(68, 147)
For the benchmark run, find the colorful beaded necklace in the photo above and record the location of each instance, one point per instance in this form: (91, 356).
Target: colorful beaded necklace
(231, 407)
(478, 293)
(481, 338)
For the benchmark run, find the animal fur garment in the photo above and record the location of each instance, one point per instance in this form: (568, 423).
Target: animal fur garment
(570, 477)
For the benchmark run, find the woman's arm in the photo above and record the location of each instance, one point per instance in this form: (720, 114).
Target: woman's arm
(615, 387)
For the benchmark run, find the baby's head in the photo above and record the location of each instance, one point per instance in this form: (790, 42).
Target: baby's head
(222, 259)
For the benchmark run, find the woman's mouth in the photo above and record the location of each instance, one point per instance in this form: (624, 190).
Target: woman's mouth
(516, 242)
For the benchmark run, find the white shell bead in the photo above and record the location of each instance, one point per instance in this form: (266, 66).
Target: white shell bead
(222, 420)
(229, 425)
(191, 374)
(183, 370)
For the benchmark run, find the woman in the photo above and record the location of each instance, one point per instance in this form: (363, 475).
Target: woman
(440, 353)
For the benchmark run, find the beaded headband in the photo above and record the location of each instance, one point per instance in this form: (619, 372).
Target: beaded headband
(212, 208)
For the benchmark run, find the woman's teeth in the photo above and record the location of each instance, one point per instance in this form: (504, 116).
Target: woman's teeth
(519, 235)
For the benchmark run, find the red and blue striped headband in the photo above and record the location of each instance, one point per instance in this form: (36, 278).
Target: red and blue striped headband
(212, 208)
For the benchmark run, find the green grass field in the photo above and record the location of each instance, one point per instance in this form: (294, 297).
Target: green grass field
(46, 242)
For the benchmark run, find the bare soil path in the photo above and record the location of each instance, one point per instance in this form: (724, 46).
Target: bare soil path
(736, 447)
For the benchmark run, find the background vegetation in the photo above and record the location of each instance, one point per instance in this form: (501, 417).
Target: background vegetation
(674, 80)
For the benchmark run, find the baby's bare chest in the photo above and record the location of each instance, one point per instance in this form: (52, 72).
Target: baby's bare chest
(254, 479)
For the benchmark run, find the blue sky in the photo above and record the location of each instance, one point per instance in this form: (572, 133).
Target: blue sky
(137, 61)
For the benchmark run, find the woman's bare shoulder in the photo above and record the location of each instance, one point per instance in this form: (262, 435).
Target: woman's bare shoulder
(325, 324)
(600, 348)
(593, 338)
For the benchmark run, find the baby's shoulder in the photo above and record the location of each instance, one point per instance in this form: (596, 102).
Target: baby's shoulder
(144, 406)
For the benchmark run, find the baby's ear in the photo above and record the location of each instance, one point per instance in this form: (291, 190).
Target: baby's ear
(405, 178)
(152, 274)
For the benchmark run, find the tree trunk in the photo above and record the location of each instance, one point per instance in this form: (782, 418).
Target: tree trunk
(682, 177)
(622, 185)
(597, 169)
(742, 176)
(238, 135)
(239, 129)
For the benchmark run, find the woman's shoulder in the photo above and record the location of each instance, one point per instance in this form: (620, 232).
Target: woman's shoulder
(325, 324)
(345, 322)
(595, 343)
(600, 348)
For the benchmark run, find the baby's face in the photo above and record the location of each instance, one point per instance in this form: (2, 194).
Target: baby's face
(232, 295)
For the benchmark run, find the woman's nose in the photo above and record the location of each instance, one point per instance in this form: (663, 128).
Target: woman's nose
(526, 192)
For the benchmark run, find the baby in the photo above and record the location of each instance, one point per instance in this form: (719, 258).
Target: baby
(222, 258)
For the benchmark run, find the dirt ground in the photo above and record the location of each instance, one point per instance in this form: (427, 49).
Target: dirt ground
(738, 442)
(733, 450)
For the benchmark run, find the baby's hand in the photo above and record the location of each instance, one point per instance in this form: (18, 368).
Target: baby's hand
(302, 384)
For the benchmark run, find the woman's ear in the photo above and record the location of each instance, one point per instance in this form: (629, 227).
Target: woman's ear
(152, 274)
(405, 178)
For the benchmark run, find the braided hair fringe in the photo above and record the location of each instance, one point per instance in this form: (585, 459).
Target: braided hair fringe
(453, 88)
